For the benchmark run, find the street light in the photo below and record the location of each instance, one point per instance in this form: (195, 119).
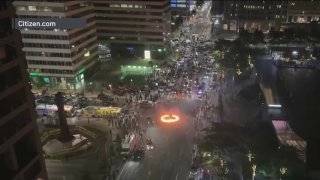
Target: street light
(283, 171)
(294, 53)
(250, 156)
(249, 61)
(254, 168)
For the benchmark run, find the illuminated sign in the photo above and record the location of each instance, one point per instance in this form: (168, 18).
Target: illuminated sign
(147, 54)
(34, 74)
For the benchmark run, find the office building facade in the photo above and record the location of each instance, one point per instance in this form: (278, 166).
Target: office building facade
(134, 28)
(251, 15)
(60, 58)
(21, 156)
(303, 11)
(182, 7)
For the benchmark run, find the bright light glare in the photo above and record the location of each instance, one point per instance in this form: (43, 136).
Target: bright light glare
(170, 118)
(294, 53)
(275, 105)
(147, 54)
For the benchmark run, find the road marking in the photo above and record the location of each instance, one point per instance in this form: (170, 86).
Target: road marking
(177, 176)
(121, 171)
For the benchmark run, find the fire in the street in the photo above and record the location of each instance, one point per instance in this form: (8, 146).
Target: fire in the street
(170, 118)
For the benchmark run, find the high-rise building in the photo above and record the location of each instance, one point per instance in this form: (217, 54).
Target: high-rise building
(251, 15)
(303, 11)
(134, 28)
(21, 156)
(217, 7)
(181, 7)
(61, 58)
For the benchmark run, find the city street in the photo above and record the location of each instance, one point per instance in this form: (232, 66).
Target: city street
(171, 158)
(174, 142)
(159, 90)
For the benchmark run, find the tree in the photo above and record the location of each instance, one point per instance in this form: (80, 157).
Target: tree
(222, 137)
(314, 30)
(258, 36)
(289, 33)
(38, 82)
(244, 35)
(275, 34)
(150, 63)
(235, 53)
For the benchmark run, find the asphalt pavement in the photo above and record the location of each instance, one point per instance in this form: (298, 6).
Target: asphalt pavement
(171, 158)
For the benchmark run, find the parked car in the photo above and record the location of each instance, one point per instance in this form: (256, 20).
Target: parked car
(138, 154)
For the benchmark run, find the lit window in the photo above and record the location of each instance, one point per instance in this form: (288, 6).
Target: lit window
(32, 8)
(181, 5)
(124, 5)
(173, 5)
(21, 8)
(114, 5)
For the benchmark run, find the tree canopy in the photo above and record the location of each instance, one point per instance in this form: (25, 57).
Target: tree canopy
(234, 54)
(257, 138)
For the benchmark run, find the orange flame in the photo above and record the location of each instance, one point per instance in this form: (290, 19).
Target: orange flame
(170, 118)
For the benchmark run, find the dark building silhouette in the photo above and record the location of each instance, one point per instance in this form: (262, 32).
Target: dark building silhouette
(21, 156)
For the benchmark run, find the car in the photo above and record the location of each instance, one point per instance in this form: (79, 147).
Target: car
(138, 154)
(146, 104)
(149, 144)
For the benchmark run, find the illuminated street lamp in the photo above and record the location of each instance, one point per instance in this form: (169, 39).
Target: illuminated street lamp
(254, 168)
(238, 70)
(295, 53)
(249, 61)
(250, 156)
(283, 171)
